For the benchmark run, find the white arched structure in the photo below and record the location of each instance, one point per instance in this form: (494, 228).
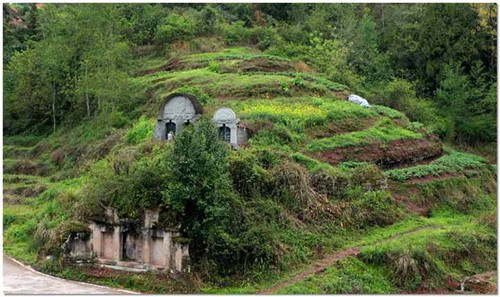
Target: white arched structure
(229, 128)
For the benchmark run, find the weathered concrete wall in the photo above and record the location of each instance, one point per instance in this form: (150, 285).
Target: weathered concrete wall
(79, 246)
(157, 251)
(132, 247)
(108, 245)
(140, 249)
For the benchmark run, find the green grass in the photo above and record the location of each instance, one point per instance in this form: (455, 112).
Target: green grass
(236, 53)
(384, 131)
(390, 113)
(204, 71)
(233, 85)
(311, 164)
(455, 162)
(347, 276)
(333, 86)
(309, 111)
(304, 109)
(431, 246)
(141, 130)
(430, 254)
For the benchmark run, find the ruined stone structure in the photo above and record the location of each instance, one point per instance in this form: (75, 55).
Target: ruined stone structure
(230, 128)
(115, 243)
(176, 111)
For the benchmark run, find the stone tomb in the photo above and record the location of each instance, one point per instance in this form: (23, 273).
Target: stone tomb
(115, 244)
(230, 128)
(176, 111)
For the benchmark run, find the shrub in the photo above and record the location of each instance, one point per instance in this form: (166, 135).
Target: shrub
(214, 66)
(235, 33)
(369, 177)
(140, 131)
(330, 182)
(249, 179)
(455, 162)
(267, 37)
(175, 27)
(384, 131)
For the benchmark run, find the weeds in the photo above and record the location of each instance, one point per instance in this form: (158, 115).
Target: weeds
(384, 131)
(455, 162)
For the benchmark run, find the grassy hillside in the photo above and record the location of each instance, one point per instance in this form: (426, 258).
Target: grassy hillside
(317, 177)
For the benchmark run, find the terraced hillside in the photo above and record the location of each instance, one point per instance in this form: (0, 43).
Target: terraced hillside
(331, 197)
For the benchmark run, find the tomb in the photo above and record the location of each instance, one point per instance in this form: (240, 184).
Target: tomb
(176, 111)
(117, 244)
(230, 127)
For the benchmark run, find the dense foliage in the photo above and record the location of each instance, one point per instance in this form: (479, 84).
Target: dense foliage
(317, 176)
(435, 62)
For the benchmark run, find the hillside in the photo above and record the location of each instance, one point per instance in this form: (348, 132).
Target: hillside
(326, 196)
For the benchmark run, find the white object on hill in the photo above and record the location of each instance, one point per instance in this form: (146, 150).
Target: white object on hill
(358, 100)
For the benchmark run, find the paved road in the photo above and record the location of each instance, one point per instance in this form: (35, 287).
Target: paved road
(18, 279)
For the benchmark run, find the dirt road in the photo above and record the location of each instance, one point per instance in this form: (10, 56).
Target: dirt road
(18, 279)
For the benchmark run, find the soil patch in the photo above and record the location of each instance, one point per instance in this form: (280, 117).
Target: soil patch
(397, 152)
(484, 283)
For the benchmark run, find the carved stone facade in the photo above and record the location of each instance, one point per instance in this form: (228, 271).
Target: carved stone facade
(176, 111)
(230, 128)
(115, 244)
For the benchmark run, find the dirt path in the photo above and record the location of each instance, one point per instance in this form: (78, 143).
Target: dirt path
(322, 264)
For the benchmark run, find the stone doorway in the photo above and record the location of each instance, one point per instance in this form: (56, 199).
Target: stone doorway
(170, 127)
(225, 133)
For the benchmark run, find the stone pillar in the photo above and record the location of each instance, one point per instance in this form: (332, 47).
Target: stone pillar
(117, 244)
(178, 125)
(95, 240)
(186, 261)
(178, 257)
(167, 243)
(146, 251)
(234, 134)
(241, 136)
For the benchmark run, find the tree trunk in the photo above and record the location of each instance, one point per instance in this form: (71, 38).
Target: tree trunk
(86, 90)
(54, 106)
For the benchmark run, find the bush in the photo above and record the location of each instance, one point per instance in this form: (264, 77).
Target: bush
(175, 27)
(267, 37)
(369, 177)
(453, 163)
(214, 66)
(142, 130)
(236, 33)
(249, 179)
(400, 94)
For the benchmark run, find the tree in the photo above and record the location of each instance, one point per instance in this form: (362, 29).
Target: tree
(200, 188)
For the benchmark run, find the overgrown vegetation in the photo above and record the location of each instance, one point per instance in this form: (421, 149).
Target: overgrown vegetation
(453, 163)
(83, 83)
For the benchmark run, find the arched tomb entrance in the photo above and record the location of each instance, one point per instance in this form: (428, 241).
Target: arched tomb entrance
(230, 129)
(176, 111)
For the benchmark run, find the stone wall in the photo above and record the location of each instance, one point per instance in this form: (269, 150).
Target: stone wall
(112, 244)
